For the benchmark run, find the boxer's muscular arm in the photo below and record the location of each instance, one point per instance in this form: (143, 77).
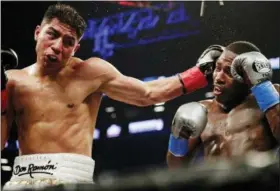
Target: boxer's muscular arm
(136, 92)
(273, 117)
(4, 130)
(128, 89)
(133, 91)
(255, 70)
(7, 117)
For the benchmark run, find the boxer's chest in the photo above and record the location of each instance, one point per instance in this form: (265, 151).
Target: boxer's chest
(234, 130)
(34, 96)
(233, 122)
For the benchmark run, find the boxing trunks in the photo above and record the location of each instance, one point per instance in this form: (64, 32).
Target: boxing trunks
(41, 170)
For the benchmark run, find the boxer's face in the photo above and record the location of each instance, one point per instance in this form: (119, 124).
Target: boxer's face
(225, 87)
(56, 43)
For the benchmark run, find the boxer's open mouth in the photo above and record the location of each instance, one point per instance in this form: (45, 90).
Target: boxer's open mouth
(52, 58)
(217, 90)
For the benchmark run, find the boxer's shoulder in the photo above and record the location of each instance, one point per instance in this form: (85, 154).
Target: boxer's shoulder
(94, 68)
(80, 65)
(94, 60)
(75, 62)
(15, 77)
(99, 63)
(14, 74)
(207, 102)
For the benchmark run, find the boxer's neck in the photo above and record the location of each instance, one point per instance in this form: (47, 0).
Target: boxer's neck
(231, 104)
(43, 70)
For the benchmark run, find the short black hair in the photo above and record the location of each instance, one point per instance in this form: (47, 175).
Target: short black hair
(239, 47)
(67, 15)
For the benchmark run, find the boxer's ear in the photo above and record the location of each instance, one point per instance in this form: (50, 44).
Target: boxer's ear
(76, 49)
(37, 32)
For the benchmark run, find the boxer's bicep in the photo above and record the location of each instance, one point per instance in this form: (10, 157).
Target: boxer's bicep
(116, 85)
(105, 78)
(273, 117)
(126, 89)
(129, 89)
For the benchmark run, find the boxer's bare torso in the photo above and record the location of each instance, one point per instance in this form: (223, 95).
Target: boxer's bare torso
(55, 115)
(236, 132)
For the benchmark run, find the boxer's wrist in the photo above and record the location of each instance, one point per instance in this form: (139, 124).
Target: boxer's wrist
(266, 95)
(177, 146)
(192, 79)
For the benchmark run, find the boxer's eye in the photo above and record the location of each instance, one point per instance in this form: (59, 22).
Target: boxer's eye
(218, 68)
(227, 71)
(68, 42)
(51, 34)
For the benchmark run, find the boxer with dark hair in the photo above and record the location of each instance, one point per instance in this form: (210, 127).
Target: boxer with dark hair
(55, 101)
(243, 116)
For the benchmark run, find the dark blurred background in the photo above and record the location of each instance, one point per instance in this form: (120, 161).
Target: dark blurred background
(146, 40)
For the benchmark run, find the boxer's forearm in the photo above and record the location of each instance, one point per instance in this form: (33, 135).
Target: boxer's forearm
(133, 91)
(182, 159)
(163, 89)
(273, 118)
(7, 116)
(149, 93)
(4, 131)
(173, 161)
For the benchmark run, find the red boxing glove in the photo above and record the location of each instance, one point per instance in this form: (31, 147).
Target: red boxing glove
(3, 101)
(193, 79)
(197, 77)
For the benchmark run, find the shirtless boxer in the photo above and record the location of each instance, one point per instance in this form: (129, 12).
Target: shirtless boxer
(55, 101)
(244, 115)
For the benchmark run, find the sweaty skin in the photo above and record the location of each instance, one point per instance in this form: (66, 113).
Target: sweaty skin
(55, 103)
(235, 124)
(55, 116)
(235, 133)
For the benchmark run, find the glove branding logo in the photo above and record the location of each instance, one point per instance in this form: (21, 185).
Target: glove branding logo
(261, 67)
(32, 168)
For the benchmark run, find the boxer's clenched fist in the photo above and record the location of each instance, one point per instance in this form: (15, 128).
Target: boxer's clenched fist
(198, 76)
(252, 68)
(189, 120)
